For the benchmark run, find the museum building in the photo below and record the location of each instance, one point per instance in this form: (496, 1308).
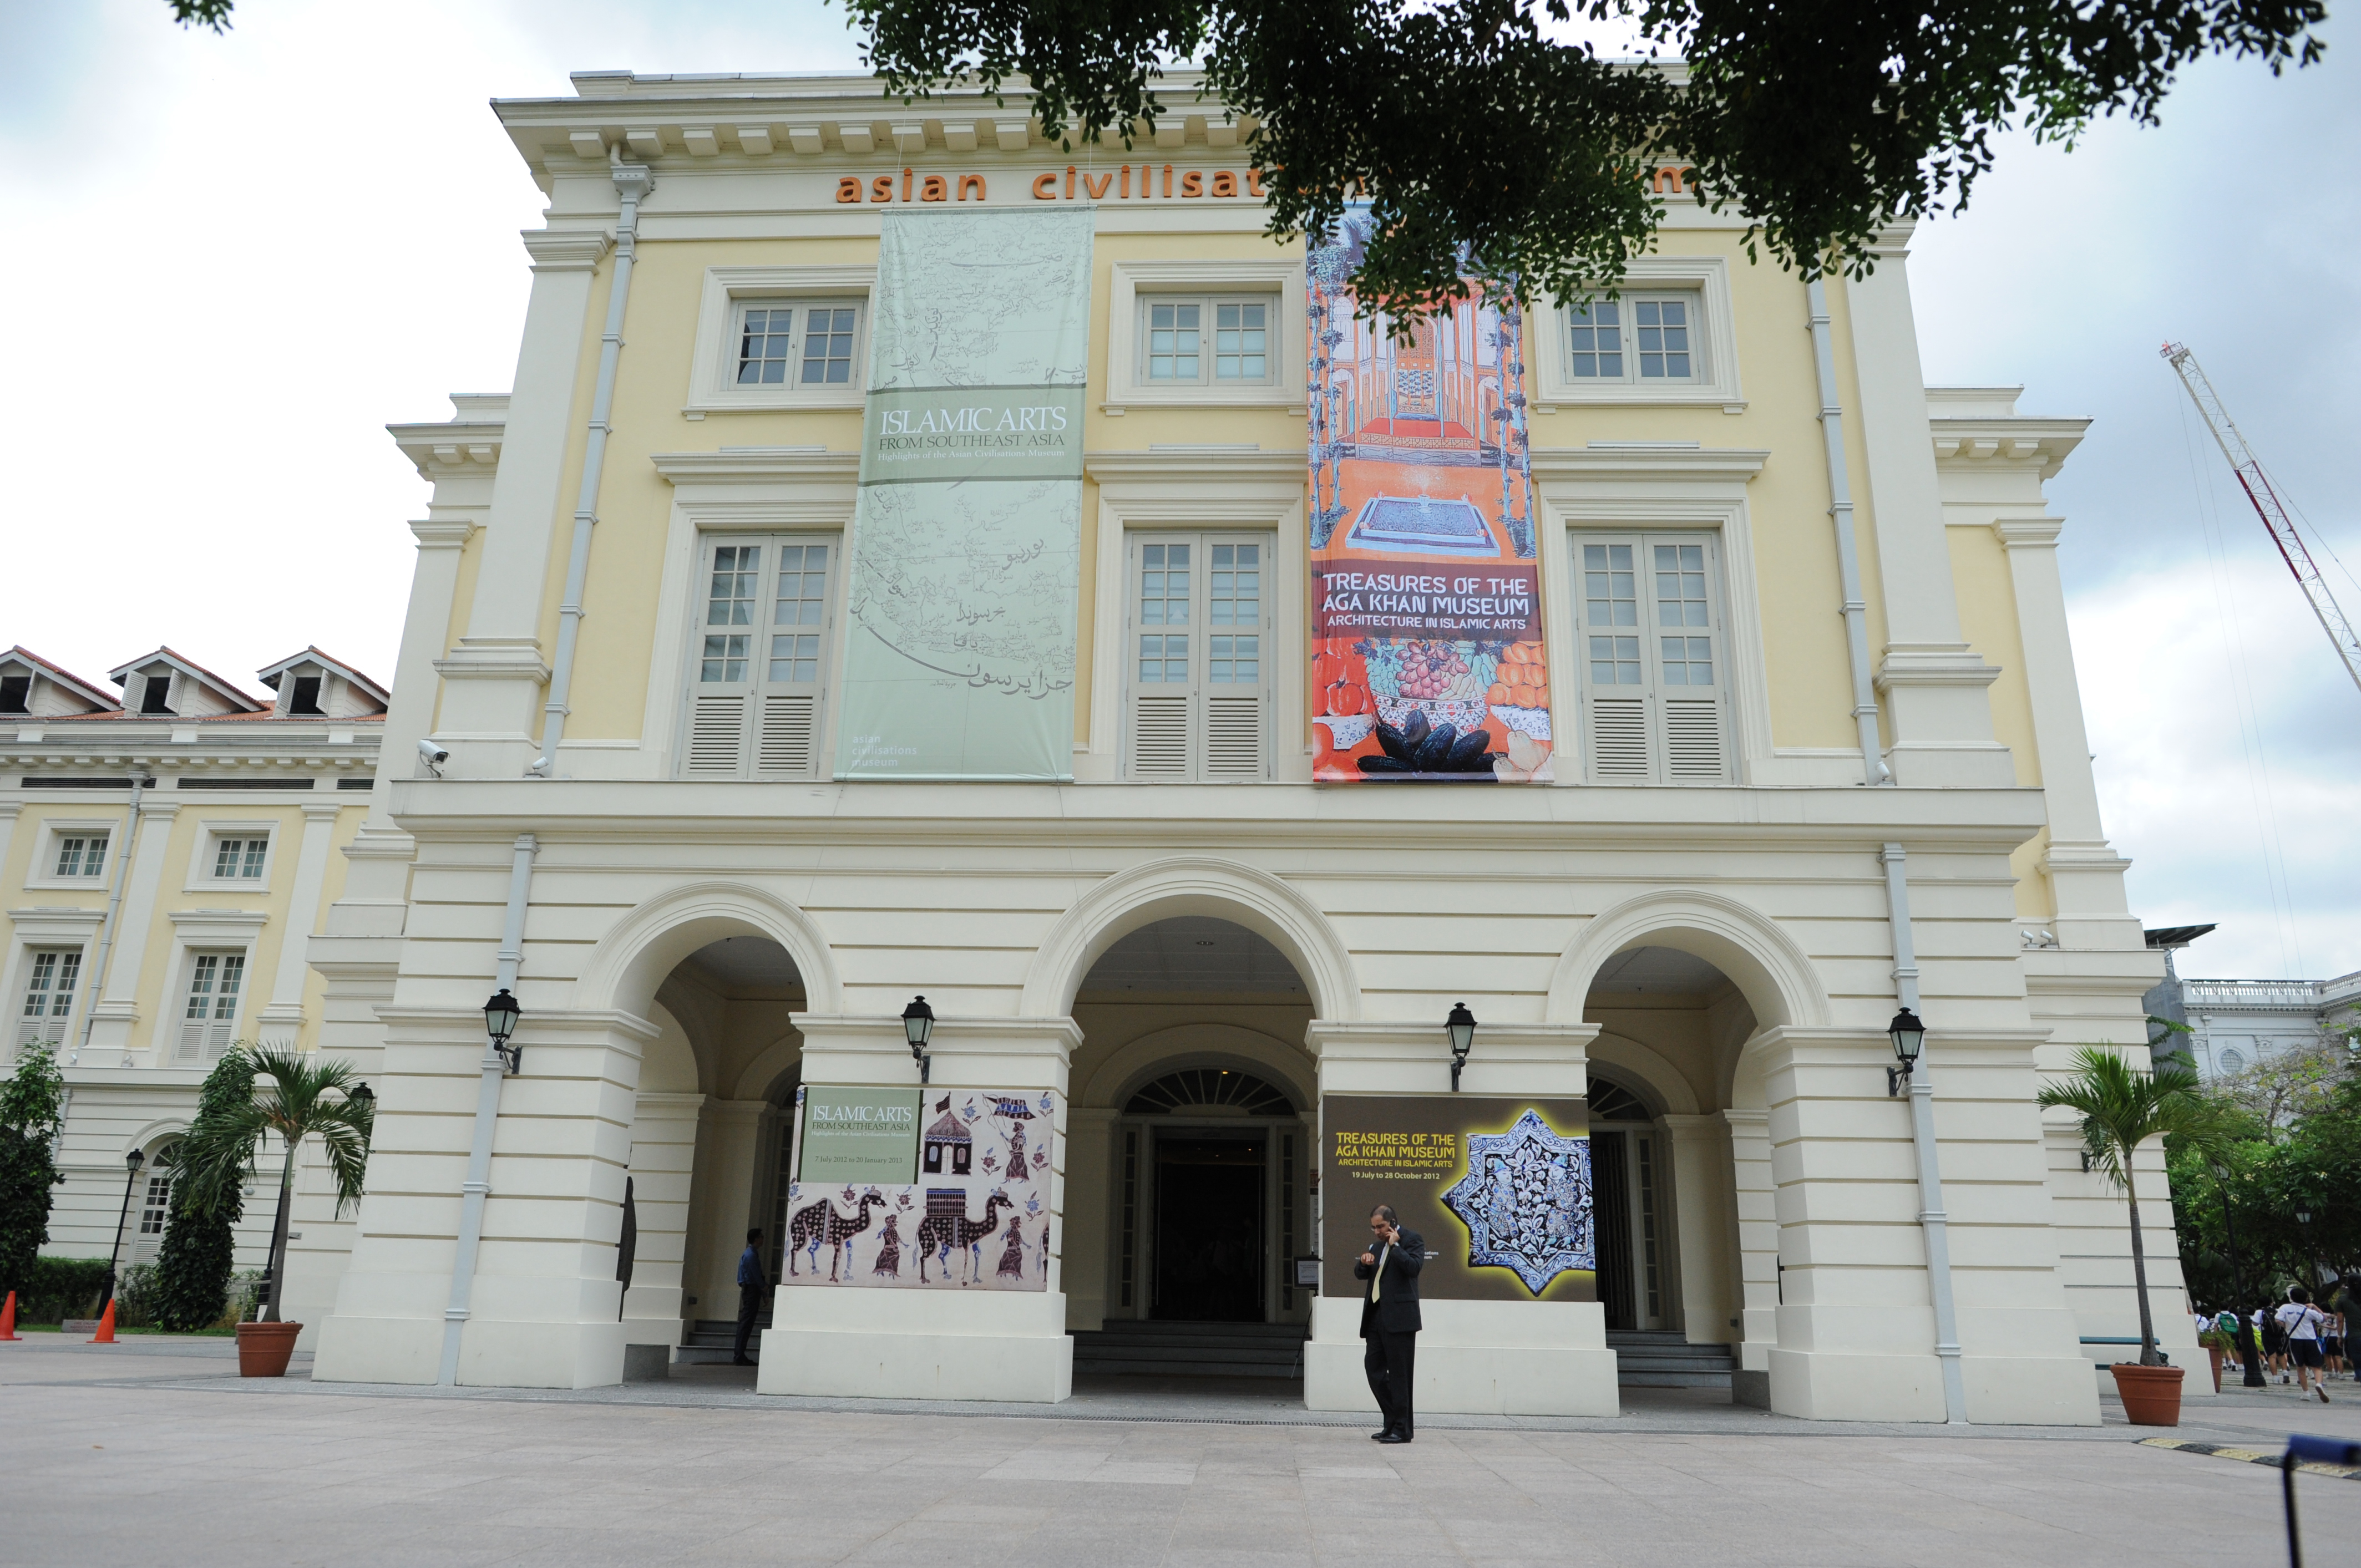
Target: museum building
(917, 560)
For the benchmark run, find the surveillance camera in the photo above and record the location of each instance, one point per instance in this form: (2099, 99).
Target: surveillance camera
(435, 755)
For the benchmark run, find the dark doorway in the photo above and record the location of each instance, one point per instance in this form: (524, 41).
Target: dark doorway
(1209, 1230)
(1610, 1196)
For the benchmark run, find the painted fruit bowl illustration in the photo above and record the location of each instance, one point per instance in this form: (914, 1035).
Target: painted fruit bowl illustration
(1461, 715)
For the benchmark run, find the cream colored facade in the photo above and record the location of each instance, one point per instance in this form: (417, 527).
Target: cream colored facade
(146, 935)
(1724, 954)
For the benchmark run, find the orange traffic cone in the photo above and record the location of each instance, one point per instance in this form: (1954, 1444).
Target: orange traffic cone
(8, 1319)
(105, 1335)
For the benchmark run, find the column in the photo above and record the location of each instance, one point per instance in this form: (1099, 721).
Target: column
(285, 1008)
(545, 1308)
(1702, 1225)
(1088, 1216)
(1475, 1357)
(493, 678)
(1754, 1231)
(117, 1010)
(1938, 716)
(936, 1344)
(664, 1153)
(728, 1156)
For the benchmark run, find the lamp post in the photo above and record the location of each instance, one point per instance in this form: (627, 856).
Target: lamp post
(919, 1028)
(500, 1016)
(2249, 1354)
(1909, 1037)
(132, 1162)
(1461, 1028)
(2311, 1253)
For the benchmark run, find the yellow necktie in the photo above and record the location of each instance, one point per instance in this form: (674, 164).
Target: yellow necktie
(1379, 1278)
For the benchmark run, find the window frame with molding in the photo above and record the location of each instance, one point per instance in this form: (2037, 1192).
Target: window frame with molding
(754, 690)
(1713, 341)
(207, 856)
(1656, 735)
(26, 970)
(194, 956)
(1208, 353)
(1202, 709)
(729, 292)
(1207, 281)
(50, 846)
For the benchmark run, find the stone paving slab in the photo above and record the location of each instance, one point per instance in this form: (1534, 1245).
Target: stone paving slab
(217, 1470)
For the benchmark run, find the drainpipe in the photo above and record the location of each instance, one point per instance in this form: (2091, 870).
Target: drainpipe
(1932, 1220)
(96, 988)
(488, 1110)
(1856, 614)
(632, 182)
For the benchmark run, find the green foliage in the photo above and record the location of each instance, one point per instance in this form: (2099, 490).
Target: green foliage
(307, 1098)
(1469, 130)
(56, 1289)
(192, 1271)
(2270, 1171)
(31, 1101)
(2122, 1108)
(213, 13)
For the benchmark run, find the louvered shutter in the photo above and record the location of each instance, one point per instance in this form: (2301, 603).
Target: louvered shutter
(1689, 658)
(716, 736)
(1234, 748)
(786, 742)
(1160, 737)
(1693, 741)
(1618, 738)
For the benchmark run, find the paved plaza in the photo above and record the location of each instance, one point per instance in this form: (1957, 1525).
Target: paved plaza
(154, 1451)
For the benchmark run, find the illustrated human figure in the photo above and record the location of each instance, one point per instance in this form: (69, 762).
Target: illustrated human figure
(1012, 1258)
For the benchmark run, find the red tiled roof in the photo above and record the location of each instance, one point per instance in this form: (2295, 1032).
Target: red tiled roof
(64, 675)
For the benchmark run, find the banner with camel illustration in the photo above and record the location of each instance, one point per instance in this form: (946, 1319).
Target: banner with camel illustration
(921, 1188)
(1426, 607)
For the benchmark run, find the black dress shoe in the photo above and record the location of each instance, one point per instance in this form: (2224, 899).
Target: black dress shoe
(1381, 1436)
(1395, 1437)
(741, 1361)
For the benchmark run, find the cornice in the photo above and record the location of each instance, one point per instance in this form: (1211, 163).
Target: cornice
(2028, 532)
(1981, 443)
(565, 250)
(450, 449)
(433, 534)
(1647, 461)
(1208, 466)
(756, 465)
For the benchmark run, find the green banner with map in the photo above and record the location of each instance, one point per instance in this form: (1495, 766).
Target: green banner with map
(966, 551)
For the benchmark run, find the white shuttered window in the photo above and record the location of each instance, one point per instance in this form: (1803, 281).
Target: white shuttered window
(1649, 639)
(209, 1017)
(50, 977)
(1197, 662)
(758, 659)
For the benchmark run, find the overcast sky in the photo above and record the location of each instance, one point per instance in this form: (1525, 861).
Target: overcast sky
(230, 261)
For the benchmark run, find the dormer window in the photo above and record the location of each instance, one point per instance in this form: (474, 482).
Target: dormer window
(16, 693)
(158, 696)
(306, 697)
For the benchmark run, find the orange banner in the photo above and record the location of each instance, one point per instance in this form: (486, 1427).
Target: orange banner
(1427, 660)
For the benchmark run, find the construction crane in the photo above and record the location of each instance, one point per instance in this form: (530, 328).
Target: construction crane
(2265, 500)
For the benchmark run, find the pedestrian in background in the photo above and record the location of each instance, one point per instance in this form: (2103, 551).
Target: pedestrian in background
(751, 1281)
(2302, 1323)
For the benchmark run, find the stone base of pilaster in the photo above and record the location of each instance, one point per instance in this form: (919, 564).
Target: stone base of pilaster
(1000, 1346)
(1491, 1358)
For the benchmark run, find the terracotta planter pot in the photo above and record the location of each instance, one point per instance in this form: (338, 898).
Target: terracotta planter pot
(2213, 1353)
(2151, 1395)
(263, 1348)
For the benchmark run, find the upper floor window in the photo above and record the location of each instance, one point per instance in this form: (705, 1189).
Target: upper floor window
(155, 1205)
(1648, 633)
(209, 1016)
(81, 855)
(1200, 701)
(156, 696)
(16, 693)
(1206, 341)
(1647, 339)
(239, 859)
(761, 657)
(801, 344)
(49, 982)
(305, 698)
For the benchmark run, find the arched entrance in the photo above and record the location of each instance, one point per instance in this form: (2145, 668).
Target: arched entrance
(1664, 1132)
(708, 1141)
(1193, 1095)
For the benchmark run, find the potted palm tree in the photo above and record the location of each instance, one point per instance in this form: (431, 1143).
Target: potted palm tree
(296, 1097)
(2122, 1108)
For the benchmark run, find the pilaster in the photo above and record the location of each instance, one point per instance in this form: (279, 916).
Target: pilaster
(117, 1011)
(285, 1008)
(1706, 1232)
(1090, 1155)
(663, 1151)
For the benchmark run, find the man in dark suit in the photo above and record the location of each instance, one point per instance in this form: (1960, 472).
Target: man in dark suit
(750, 1283)
(1390, 1320)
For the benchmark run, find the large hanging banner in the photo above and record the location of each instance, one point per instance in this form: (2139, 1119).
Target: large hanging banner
(1497, 1188)
(920, 1188)
(966, 552)
(1426, 607)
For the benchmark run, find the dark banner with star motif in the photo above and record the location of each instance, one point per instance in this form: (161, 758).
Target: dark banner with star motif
(1497, 1188)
